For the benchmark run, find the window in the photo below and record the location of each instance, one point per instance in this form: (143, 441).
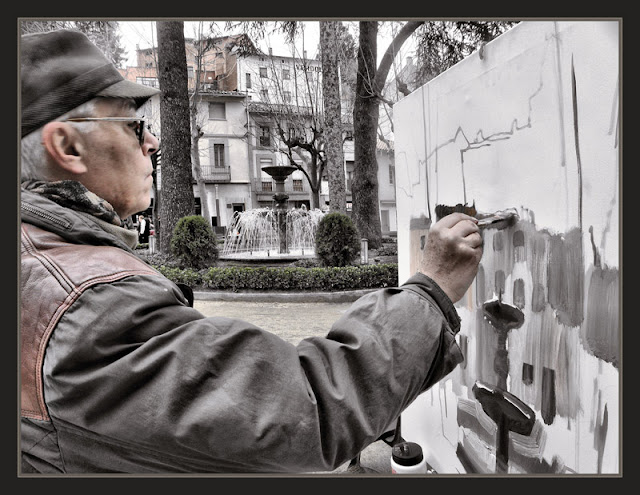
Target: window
(218, 155)
(190, 71)
(349, 180)
(263, 72)
(148, 81)
(248, 80)
(264, 94)
(392, 173)
(287, 96)
(285, 74)
(266, 184)
(265, 136)
(297, 185)
(217, 111)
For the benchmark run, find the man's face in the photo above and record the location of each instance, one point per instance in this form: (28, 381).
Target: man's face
(119, 168)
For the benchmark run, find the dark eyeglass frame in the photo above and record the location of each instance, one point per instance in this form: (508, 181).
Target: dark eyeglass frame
(139, 130)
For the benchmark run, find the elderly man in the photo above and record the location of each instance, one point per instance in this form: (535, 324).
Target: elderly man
(120, 374)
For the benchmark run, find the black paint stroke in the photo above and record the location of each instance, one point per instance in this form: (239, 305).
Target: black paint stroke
(527, 373)
(600, 436)
(596, 255)
(574, 95)
(548, 409)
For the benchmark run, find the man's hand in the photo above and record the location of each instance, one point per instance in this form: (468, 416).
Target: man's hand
(452, 254)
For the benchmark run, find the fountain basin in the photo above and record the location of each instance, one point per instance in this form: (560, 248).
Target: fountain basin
(279, 172)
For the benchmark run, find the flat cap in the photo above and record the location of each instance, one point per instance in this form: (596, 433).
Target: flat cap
(60, 70)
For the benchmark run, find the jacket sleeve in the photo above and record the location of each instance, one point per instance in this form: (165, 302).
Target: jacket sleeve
(131, 365)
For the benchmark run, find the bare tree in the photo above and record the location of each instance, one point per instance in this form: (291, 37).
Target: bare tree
(202, 45)
(104, 34)
(176, 187)
(297, 117)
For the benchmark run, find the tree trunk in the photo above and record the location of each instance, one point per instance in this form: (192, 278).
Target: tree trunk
(176, 177)
(364, 189)
(332, 116)
(369, 84)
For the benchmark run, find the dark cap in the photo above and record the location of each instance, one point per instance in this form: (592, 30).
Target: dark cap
(407, 453)
(61, 70)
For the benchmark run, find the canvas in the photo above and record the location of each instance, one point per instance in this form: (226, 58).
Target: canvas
(530, 124)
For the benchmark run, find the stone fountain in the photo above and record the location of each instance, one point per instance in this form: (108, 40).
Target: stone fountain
(280, 174)
(277, 233)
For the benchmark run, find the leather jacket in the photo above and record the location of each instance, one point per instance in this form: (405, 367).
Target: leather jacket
(120, 375)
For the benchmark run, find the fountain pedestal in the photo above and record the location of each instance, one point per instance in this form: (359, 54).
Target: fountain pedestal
(280, 174)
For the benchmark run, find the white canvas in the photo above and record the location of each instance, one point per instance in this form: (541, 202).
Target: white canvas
(530, 123)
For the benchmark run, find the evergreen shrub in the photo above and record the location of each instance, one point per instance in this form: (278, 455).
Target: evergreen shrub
(337, 240)
(194, 242)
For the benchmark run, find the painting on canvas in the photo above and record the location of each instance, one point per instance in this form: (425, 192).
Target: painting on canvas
(530, 124)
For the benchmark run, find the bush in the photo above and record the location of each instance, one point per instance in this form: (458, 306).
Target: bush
(292, 278)
(337, 240)
(194, 242)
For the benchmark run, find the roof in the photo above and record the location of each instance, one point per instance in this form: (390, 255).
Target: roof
(382, 146)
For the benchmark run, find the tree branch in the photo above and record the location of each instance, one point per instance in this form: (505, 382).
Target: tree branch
(385, 64)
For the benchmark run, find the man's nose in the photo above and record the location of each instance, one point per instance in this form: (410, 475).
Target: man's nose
(151, 143)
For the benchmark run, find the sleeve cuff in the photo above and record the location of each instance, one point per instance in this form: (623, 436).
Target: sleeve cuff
(428, 286)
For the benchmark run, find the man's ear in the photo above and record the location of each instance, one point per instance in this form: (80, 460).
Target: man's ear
(65, 146)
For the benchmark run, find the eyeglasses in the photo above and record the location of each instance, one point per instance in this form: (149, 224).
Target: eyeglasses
(137, 121)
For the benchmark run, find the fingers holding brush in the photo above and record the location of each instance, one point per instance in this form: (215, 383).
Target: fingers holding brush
(468, 230)
(452, 253)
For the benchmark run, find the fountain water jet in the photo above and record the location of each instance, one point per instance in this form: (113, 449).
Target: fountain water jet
(273, 233)
(256, 235)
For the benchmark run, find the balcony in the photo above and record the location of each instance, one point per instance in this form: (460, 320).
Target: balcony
(295, 188)
(211, 173)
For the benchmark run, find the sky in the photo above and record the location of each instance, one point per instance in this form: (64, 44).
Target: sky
(143, 34)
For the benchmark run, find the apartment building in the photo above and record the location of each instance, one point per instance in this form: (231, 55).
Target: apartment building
(246, 98)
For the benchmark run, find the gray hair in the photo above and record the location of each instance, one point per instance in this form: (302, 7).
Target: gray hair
(33, 159)
(33, 162)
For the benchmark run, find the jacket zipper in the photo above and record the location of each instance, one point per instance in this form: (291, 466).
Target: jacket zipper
(45, 216)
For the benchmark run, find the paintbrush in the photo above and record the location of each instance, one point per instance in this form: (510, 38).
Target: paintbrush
(498, 220)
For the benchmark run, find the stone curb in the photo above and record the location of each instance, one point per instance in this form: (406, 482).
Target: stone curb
(334, 297)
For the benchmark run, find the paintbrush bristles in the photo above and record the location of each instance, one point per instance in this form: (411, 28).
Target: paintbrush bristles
(498, 220)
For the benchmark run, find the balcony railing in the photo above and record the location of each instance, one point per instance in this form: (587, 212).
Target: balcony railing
(290, 186)
(216, 174)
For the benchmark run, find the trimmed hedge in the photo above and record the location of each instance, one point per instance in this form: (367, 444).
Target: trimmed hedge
(238, 278)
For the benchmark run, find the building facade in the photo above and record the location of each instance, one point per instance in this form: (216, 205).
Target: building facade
(248, 102)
